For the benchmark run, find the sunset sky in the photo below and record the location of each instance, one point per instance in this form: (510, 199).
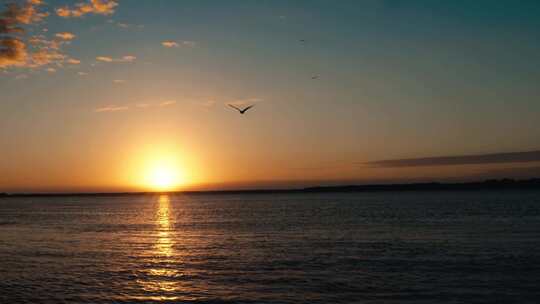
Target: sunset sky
(132, 95)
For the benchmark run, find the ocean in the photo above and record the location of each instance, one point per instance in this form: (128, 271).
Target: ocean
(385, 247)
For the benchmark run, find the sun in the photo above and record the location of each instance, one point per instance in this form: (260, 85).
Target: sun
(164, 178)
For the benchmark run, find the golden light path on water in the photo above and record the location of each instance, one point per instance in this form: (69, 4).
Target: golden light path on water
(161, 276)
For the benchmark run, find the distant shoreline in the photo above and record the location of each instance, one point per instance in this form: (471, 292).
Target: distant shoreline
(501, 184)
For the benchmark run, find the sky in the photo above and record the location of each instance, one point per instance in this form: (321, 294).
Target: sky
(129, 95)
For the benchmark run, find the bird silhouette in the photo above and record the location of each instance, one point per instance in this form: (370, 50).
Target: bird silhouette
(315, 77)
(242, 111)
(302, 40)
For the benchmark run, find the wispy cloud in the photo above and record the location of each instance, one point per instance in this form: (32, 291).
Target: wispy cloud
(245, 101)
(73, 61)
(65, 36)
(143, 105)
(104, 59)
(99, 7)
(111, 108)
(174, 44)
(495, 158)
(127, 58)
(167, 103)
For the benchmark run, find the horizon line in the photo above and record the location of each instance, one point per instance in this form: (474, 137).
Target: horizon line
(434, 185)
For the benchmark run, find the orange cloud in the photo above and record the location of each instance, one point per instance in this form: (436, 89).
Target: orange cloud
(170, 44)
(26, 13)
(99, 7)
(12, 52)
(65, 36)
(73, 61)
(17, 50)
(104, 59)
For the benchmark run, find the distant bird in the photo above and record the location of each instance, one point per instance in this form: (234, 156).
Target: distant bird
(242, 111)
(315, 77)
(302, 40)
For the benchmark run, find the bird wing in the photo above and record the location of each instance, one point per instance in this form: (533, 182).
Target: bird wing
(230, 105)
(247, 108)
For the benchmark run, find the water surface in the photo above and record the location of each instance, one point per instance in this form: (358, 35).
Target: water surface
(393, 247)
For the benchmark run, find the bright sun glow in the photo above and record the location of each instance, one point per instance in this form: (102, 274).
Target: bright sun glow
(163, 177)
(159, 168)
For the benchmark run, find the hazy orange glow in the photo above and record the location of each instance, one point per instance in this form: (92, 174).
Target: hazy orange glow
(158, 167)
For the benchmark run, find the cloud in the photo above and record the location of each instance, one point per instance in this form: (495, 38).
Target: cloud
(98, 7)
(111, 108)
(495, 158)
(167, 103)
(19, 51)
(73, 61)
(170, 44)
(240, 102)
(174, 44)
(104, 59)
(26, 13)
(12, 52)
(127, 58)
(65, 36)
(119, 81)
(13, 49)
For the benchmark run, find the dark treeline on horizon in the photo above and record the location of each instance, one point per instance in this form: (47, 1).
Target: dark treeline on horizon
(493, 184)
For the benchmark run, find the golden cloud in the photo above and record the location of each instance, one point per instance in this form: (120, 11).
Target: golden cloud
(65, 36)
(99, 7)
(104, 59)
(12, 52)
(73, 61)
(170, 44)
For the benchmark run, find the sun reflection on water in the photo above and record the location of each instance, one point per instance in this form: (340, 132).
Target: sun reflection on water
(164, 242)
(161, 275)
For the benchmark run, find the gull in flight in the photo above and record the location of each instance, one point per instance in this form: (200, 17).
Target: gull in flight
(242, 111)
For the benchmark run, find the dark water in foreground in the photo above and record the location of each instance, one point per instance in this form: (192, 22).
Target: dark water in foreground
(438, 247)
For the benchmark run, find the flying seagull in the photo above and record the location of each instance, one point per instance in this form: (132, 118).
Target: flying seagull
(242, 111)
